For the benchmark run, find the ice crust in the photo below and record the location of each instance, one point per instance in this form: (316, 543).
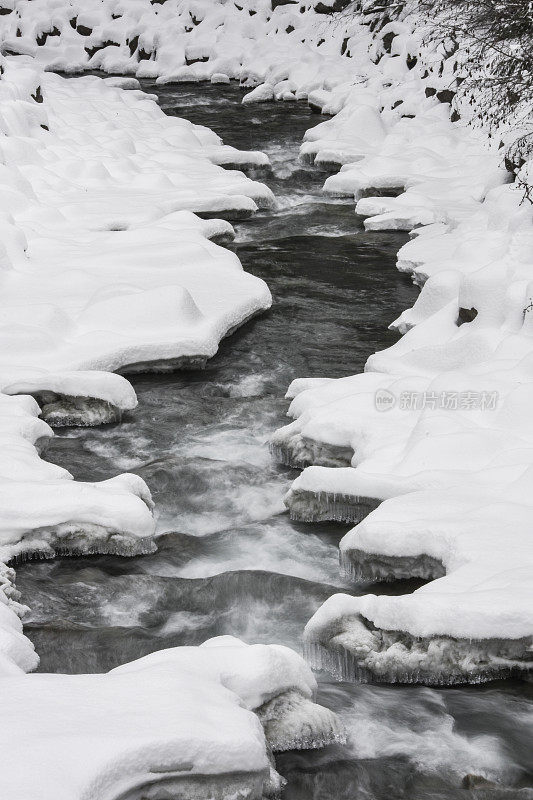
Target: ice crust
(341, 639)
(178, 722)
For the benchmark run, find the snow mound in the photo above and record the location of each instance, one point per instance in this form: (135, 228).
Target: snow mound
(261, 94)
(177, 722)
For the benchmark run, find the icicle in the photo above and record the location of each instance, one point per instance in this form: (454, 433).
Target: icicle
(113, 545)
(338, 661)
(306, 506)
(401, 658)
(85, 412)
(360, 566)
(298, 452)
(284, 456)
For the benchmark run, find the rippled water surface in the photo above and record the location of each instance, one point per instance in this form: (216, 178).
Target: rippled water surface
(229, 559)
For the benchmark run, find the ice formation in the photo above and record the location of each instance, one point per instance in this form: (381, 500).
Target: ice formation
(184, 722)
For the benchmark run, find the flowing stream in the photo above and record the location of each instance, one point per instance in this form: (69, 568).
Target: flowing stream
(229, 559)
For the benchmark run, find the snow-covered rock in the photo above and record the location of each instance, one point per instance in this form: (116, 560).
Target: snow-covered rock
(113, 269)
(199, 722)
(469, 624)
(181, 40)
(261, 94)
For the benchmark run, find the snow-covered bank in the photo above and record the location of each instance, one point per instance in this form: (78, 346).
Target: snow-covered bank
(103, 267)
(199, 722)
(44, 511)
(439, 426)
(179, 40)
(440, 422)
(471, 623)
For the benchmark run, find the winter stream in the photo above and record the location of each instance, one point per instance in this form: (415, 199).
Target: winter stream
(230, 561)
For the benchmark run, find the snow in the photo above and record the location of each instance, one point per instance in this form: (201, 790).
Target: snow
(182, 718)
(445, 408)
(102, 195)
(261, 94)
(292, 53)
(471, 428)
(466, 539)
(342, 638)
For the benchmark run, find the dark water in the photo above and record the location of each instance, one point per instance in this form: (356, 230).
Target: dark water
(229, 559)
